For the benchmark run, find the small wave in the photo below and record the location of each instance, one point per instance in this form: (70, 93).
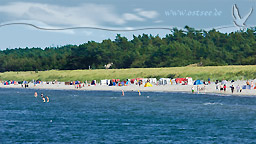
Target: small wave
(212, 103)
(113, 97)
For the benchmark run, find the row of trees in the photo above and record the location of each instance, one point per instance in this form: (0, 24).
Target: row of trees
(179, 48)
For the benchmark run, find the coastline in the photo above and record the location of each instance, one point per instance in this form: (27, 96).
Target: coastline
(207, 89)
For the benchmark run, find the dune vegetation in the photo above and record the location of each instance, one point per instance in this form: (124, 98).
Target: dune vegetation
(203, 73)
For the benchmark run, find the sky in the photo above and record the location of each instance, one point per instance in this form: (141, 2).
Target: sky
(112, 14)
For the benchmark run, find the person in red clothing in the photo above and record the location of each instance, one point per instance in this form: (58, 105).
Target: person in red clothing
(225, 87)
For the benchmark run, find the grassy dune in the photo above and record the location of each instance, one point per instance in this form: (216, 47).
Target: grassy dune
(213, 72)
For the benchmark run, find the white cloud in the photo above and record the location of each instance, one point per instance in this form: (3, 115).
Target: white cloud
(146, 14)
(132, 17)
(158, 21)
(82, 15)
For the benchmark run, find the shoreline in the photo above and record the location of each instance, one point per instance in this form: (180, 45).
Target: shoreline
(208, 89)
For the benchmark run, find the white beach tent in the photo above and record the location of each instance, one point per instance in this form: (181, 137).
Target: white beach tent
(104, 82)
(164, 81)
(153, 80)
(190, 80)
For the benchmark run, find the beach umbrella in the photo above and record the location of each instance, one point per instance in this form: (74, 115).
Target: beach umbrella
(198, 82)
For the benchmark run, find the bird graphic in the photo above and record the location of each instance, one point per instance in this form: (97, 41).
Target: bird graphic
(238, 21)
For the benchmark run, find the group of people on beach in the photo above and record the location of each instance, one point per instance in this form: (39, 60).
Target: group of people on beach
(238, 87)
(45, 99)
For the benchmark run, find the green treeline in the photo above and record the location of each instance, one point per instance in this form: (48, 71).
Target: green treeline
(179, 48)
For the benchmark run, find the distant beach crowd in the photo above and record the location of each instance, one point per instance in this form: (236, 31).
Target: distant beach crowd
(144, 84)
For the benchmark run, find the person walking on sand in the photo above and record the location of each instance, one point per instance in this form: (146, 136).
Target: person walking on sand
(193, 90)
(217, 87)
(225, 87)
(237, 88)
(198, 89)
(232, 88)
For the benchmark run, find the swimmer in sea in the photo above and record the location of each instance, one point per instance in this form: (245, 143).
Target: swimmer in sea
(139, 92)
(122, 92)
(35, 94)
(42, 96)
(47, 98)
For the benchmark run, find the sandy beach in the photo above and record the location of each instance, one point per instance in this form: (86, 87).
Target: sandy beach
(211, 88)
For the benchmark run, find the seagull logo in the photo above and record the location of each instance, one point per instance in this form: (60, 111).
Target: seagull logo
(238, 21)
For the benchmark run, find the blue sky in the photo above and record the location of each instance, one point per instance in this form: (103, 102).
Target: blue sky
(114, 14)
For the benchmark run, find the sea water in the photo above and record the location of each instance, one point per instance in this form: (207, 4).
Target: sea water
(109, 117)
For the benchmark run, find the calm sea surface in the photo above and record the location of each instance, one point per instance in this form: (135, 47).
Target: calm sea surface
(108, 117)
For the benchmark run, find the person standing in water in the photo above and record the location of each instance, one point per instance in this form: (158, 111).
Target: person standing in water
(42, 96)
(35, 94)
(122, 92)
(47, 98)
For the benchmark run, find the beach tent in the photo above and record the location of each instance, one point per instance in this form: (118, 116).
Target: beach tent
(180, 80)
(139, 79)
(164, 81)
(104, 82)
(189, 80)
(153, 80)
(148, 84)
(198, 82)
(224, 82)
(172, 81)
